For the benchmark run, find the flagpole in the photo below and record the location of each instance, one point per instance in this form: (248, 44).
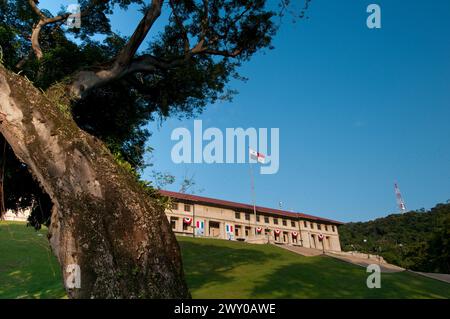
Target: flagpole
(194, 226)
(253, 193)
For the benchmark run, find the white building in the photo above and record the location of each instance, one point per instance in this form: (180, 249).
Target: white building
(192, 215)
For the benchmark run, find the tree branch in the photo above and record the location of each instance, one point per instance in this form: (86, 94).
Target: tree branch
(181, 26)
(229, 54)
(44, 20)
(127, 53)
(125, 62)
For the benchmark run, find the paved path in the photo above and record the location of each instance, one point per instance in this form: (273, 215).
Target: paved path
(308, 252)
(441, 277)
(364, 262)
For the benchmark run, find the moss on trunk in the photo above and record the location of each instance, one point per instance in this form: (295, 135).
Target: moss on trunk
(102, 220)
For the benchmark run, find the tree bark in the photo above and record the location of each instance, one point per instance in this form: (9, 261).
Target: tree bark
(102, 220)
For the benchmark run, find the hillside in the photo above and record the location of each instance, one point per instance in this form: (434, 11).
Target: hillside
(216, 269)
(418, 240)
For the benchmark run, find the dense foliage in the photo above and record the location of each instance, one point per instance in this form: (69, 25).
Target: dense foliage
(417, 240)
(178, 72)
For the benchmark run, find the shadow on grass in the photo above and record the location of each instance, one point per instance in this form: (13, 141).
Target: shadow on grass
(319, 278)
(327, 278)
(210, 264)
(28, 268)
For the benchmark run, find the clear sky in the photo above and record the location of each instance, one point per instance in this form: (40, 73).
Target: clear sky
(358, 109)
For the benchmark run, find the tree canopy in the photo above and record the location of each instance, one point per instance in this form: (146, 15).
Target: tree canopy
(114, 86)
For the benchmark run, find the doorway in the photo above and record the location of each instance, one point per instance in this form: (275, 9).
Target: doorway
(214, 229)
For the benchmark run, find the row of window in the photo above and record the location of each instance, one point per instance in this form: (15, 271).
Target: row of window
(187, 208)
(285, 222)
(319, 226)
(174, 206)
(266, 219)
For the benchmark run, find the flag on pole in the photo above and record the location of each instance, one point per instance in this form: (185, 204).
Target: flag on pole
(260, 157)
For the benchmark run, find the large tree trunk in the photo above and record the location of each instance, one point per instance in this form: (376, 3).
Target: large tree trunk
(103, 221)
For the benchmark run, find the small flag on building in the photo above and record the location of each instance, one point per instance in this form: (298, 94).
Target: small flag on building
(200, 227)
(200, 224)
(187, 220)
(260, 157)
(229, 229)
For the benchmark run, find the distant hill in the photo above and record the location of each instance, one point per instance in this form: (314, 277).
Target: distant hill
(417, 240)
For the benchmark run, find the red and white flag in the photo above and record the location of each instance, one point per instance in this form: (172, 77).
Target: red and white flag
(260, 157)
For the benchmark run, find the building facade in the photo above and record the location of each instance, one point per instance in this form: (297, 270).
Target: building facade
(192, 215)
(19, 216)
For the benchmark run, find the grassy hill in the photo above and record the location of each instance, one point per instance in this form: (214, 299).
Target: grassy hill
(215, 269)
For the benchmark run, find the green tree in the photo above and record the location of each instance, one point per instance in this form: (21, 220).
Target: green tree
(417, 240)
(74, 117)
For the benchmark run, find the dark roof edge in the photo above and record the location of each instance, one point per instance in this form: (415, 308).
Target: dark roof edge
(243, 207)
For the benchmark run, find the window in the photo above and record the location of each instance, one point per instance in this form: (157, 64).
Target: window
(332, 227)
(319, 227)
(187, 208)
(311, 225)
(266, 220)
(185, 226)
(237, 215)
(173, 222)
(305, 224)
(284, 222)
(174, 206)
(275, 221)
(247, 216)
(292, 223)
(257, 218)
(237, 230)
(326, 227)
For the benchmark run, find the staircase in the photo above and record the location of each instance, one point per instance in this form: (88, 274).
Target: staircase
(355, 260)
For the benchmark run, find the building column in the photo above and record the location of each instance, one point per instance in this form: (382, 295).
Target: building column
(223, 234)
(206, 228)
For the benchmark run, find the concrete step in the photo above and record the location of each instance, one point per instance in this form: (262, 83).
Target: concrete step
(308, 252)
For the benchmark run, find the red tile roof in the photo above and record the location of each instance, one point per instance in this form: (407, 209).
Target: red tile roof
(243, 207)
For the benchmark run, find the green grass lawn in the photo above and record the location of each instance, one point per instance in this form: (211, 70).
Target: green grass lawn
(215, 269)
(28, 268)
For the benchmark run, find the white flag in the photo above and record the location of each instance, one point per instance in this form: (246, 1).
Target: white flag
(260, 157)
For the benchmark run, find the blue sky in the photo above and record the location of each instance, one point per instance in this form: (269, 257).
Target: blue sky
(358, 109)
